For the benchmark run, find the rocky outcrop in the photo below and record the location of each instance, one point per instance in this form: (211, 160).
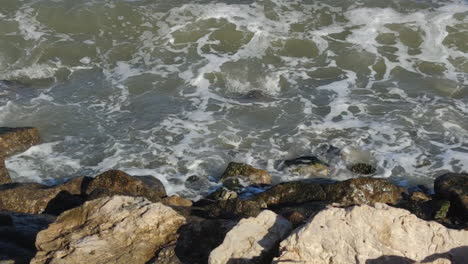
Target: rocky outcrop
(118, 229)
(365, 234)
(14, 141)
(252, 240)
(454, 187)
(246, 173)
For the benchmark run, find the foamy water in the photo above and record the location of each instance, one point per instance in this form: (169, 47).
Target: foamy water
(180, 88)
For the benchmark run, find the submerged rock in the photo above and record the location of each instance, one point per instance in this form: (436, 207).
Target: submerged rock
(309, 166)
(365, 234)
(252, 240)
(454, 187)
(247, 173)
(118, 229)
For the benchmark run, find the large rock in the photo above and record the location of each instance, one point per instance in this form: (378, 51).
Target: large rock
(454, 187)
(293, 192)
(365, 234)
(247, 173)
(16, 140)
(118, 229)
(116, 182)
(252, 240)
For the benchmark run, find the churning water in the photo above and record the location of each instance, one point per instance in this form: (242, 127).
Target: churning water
(180, 88)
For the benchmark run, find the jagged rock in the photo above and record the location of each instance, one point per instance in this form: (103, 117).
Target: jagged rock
(454, 187)
(246, 172)
(116, 182)
(199, 237)
(309, 166)
(118, 229)
(175, 200)
(4, 175)
(252, 240)
(18, 139)
(364, 190)
(365, 234)
(17, 235)
(34, 198)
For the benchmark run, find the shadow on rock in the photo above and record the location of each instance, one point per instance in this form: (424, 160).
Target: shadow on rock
(457, 255)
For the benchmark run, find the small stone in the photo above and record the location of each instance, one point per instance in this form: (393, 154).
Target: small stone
(222, 194)
(175, 200)
(247, 173)
(443, 210)
(362, 168)
(309, 166)
(233, 184)
(419, 197)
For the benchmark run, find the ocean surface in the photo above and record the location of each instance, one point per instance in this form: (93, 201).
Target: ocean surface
(180, 88)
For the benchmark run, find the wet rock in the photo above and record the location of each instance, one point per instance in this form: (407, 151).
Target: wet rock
(234, 184)
(166, 255)
(309, 166)
(255, 95)
(115, 182)
(222, 194)
(18, 139)
(454, 187)
(362, 168)
(199, 237)
(292, 192)
(118, 229)
(247, 173)
(4, 175)
(364, 190)
(365, 234)
(34, 198)
(252, 240)
(175, 200)
(297, 214)
(419, 197)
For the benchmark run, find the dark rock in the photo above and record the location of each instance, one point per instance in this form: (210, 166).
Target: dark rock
(362, 168)
(34, 198)
(364, 190)
(5, 219)
(297, 214)
(307, 166)
(247, 173)
(115, 182)
(199, 237)
(166, 255)
(192, 179)
(233, 184)
(292, 192)
(454, 187)
(4, 175)
(222, 194)
(16, 140)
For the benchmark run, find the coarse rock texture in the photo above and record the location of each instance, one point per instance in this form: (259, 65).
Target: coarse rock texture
(247, 173)
(252, 240)
(4, 175)
(365, 234)
(454, 187)
(18, 139)
(18, 234)
(116, 182)
(308, 166)
(175, 200)
(118, 229)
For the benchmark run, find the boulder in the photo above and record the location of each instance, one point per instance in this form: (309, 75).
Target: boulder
(292, 192)
(116, 182)
(18, 139)
(247, 173)
(252, 240)
(118, 229)
(4, 175)
(372, 234)
(454, 187)
(307, 166)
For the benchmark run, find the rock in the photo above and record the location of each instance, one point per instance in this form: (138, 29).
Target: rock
(454, 187)
(166, 255)
(118, 229)
(362, 168)
(18, 233)
(4, 175)
(419, 197)
(175, 200)
(222, 194)
(252, 240)
(17, 140)
(246, 172)
(365, 234)
(309, 166)
(363, 190)
(34, 198)
(116, 182)
(199, 237)
(292, 192)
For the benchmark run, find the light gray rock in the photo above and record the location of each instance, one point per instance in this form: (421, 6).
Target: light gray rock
(118, 229)
(373, 235)
(252, 240)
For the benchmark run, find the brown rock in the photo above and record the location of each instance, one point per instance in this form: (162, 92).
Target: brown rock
(419, 197)
(246, 172)
(115, 182)
(454, 187)
(175, 200)
(4, 176)
(118, 229)
(16, 140)
(293, 192)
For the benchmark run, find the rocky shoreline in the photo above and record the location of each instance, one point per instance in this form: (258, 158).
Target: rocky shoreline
(118, 218)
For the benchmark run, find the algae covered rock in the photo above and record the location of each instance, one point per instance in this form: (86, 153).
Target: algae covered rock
(247, 173)
(454, 187)
(118, 229)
